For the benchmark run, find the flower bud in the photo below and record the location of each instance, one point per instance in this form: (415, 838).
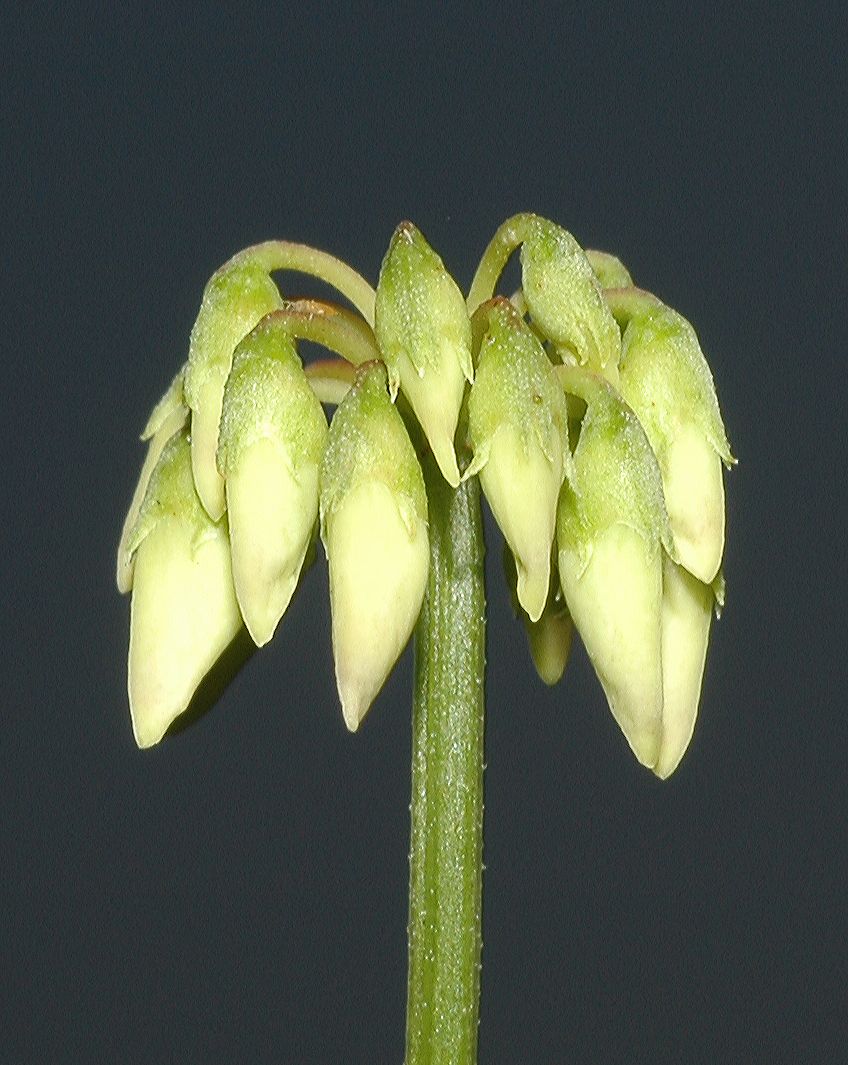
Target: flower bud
(236, 297)
(549, 639)
(518, 426)
(168, 416)
(666, 380)
(422, 327)
(184, 612)
(687, 608)
(565, 300)
(272, 437)
(611, 527)
(374, 529)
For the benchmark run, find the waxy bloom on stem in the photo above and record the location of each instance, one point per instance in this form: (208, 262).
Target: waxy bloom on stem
(272, 438)
(184, 612)
(422, 327)
(236, 297)
(374, 529)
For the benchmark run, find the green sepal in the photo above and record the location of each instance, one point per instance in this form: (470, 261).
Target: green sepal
(273, 432)
(565, 299)
(172, 401)
(267, 395)
(420, 312)
(666, 379)
(368, 441)
(424, 333)
(518, 427)
(616, 478)
(515, 385)
(168, 416)
(170, 493)
(235, 299)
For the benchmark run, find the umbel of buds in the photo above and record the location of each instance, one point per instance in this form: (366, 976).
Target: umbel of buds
(583, 404)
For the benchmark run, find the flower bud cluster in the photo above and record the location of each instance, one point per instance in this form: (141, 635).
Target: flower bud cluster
(584, 405)
(640, 513)
(227, 503)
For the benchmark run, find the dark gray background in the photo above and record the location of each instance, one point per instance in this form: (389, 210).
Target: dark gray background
(239, 893)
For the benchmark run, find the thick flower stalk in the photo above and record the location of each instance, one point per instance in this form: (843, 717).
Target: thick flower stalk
(584, 410)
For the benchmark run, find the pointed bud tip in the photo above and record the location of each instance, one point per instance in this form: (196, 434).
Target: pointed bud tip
(354, 707)
(445, 457)
(272, 513)
(532, 587)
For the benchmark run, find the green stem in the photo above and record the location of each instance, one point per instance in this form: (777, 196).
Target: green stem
(333, 327)
(628, 302)
(508, 236)
(446, 849)
(303, 259)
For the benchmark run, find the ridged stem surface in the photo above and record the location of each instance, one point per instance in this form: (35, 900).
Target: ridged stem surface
(446, 850)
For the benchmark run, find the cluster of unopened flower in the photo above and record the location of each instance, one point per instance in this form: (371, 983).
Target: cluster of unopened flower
(584, 405)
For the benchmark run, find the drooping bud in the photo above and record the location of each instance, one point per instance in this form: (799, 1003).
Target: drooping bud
(168, 416)
(549, 639)
(184, 612)
(518, 426)
(611, 528)
(272, 437)
(565, 300)
(236, 297)
(551, 636)
(422, 327)
(374, 529)
(666, 380)
(687, 609)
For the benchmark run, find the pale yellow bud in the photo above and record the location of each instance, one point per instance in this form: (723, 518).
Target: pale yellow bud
(522, 485)
(666, 380)
(272, 437)
(272, 512)
(687, 609)
(184, 611)
(693, 482)
(615, 600)
(518, 427)
(550, 641)
(612, 527)
(374, 527)
(379, 560)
